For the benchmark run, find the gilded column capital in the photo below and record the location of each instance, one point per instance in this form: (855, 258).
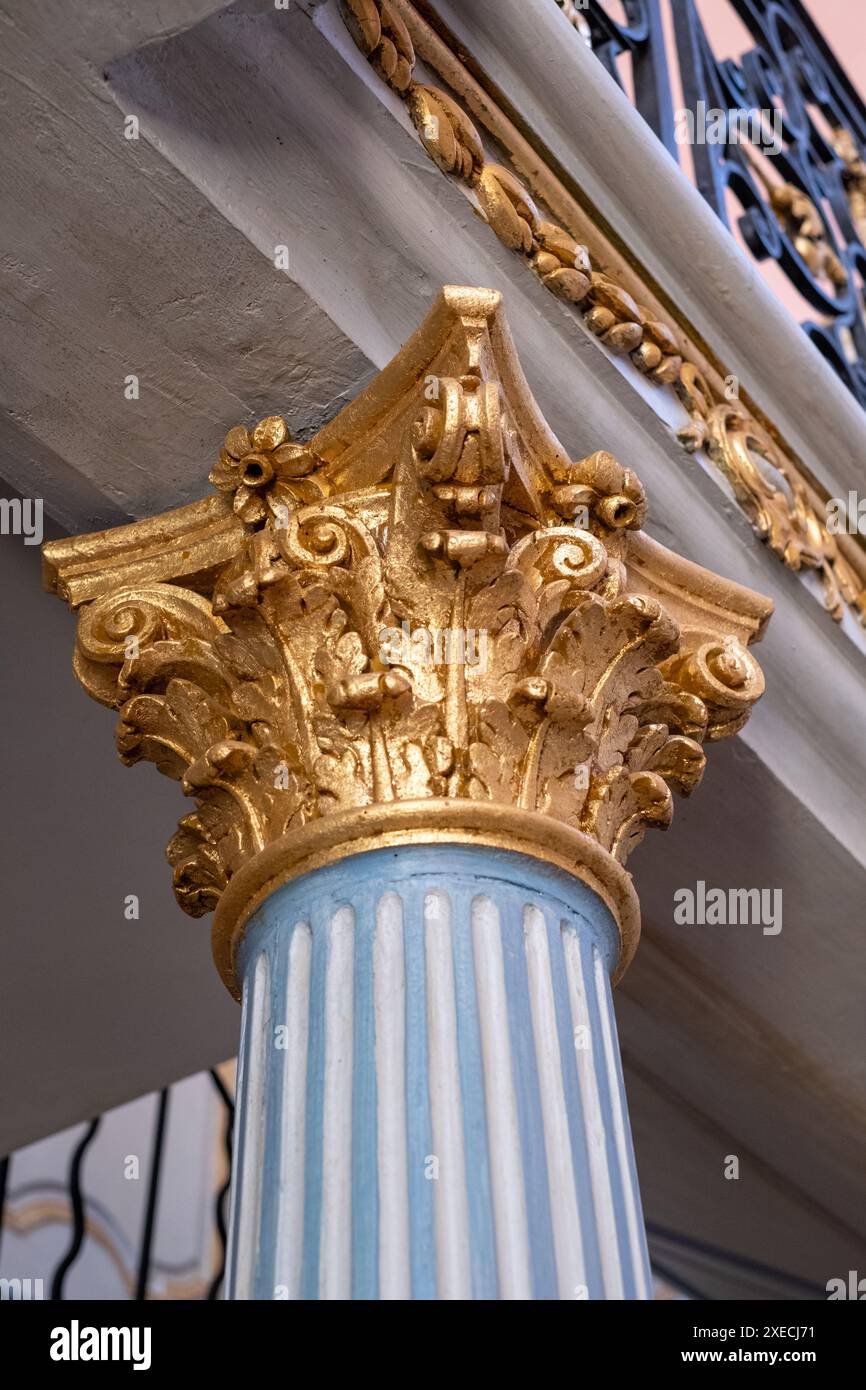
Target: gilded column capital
(427, 623)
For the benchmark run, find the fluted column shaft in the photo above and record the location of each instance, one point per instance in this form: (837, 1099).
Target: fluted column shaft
(430, 1092)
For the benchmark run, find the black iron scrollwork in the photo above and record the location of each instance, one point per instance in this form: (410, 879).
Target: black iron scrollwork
(797, 192)
(804, 217)
(77, 1203)
(640, 39)
(222, 1195)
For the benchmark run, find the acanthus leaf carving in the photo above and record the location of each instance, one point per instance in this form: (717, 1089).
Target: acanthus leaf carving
(439, 629)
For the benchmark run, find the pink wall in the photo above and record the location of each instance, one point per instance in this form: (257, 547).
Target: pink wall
(843, 24)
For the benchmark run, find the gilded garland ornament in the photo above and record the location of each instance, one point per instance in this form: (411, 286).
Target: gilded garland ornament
(430, 605)
(785, 513)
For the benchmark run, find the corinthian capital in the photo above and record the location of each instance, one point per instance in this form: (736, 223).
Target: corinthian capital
(427, 623)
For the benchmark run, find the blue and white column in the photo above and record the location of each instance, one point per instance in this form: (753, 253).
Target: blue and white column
(430, 1100)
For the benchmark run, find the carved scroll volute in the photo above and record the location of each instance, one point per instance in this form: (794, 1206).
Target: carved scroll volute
(478, 624)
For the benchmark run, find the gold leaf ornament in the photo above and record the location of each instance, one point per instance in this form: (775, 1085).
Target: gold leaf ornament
(263, 469)
(508, 207)
(381, 35)
(447, 134)
(610, 311)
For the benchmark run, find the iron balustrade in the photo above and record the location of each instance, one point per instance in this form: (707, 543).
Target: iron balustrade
(799, 201)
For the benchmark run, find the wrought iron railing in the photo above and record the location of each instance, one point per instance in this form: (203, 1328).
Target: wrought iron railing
(641, 40)
(81, 1215)
(795, 188)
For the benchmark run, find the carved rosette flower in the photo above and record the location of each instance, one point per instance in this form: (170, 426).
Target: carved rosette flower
(264, 470)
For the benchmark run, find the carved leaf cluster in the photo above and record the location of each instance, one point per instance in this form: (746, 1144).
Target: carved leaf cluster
(415, 639)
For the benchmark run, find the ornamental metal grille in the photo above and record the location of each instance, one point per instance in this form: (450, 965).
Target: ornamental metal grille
(777, 141)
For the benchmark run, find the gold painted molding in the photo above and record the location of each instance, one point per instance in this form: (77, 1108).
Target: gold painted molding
(461, 822)
(576, 261)
(426, 624)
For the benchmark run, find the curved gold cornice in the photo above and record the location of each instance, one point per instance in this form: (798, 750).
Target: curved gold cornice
(428, 619)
